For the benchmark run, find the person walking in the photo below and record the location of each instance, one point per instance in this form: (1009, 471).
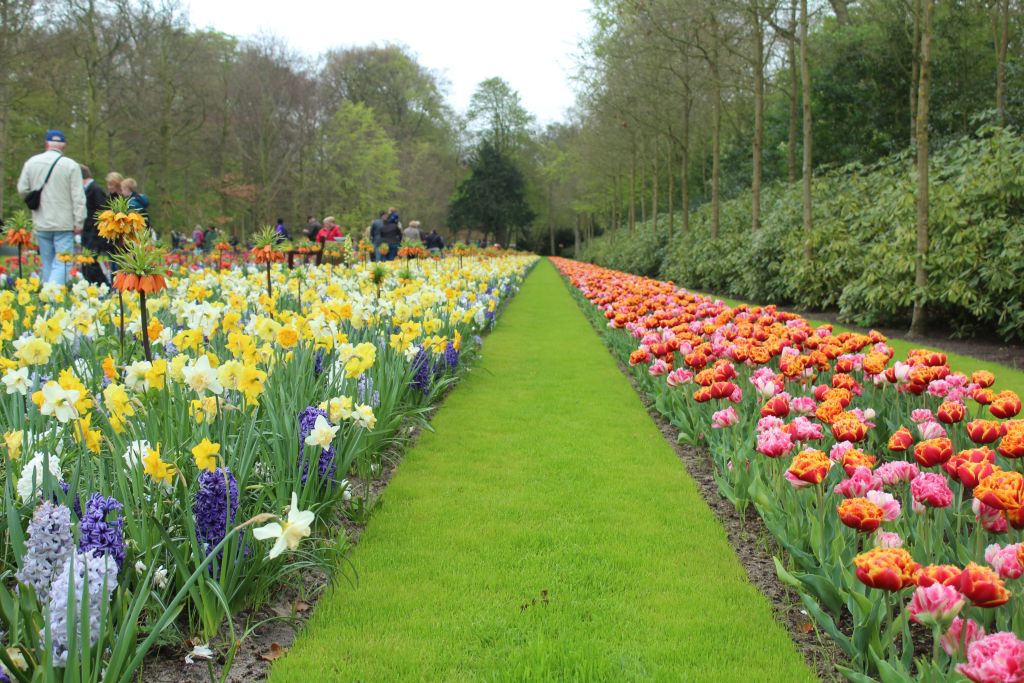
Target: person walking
(51, 184)
(282, 231)
(95, 201)
(376, 232)
(434, 242)
(412, 233)
(391, 234)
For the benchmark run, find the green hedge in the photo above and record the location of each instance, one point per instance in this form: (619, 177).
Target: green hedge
(863, 242)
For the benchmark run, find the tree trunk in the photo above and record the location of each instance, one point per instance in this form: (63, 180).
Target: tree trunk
(576, 238)
(915, 65)
(840, 9)
(684, 165)
(805, 83)
(654, 188)
(551, 219)
(755, 183)
(643, 182)
(794, 98)
(918, 321)
(1002, 38)
(632, 191)
(671, 192)
(716, 152)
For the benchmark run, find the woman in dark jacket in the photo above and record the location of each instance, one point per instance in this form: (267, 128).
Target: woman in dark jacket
(95, 201)
(391, 234)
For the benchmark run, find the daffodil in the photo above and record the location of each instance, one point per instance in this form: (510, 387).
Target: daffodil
(59, 402)
(288, 532)
(13, 441)
(322, 433)
(156, 468)
(205, 453)
(201, 377)
(363, 416)
(17, 381)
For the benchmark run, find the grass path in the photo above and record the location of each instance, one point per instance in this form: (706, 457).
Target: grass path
(544, 532)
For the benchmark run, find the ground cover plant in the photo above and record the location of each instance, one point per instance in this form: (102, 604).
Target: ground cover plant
(179, 448)
(544, 531)
(893, 483)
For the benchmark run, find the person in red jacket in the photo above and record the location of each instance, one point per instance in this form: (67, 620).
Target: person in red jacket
(330, 232)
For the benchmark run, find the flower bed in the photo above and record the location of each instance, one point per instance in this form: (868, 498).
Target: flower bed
(894, 485)
(148, 501)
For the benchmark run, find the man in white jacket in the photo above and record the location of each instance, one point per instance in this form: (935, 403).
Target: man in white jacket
(61, 211)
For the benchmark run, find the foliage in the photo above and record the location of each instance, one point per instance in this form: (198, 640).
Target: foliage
(863, 241)
(492, 198)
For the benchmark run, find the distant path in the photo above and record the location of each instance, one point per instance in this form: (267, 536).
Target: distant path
(545, 532)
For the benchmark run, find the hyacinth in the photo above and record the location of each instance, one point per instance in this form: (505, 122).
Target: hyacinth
(366, 393)
(47, 547)
(99, 534)
(327, 465)
(423, 371)
(91, 581)
(215, 507)
(318, 363)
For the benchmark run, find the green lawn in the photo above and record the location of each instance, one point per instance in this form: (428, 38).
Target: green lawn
(546, 531)
(1006, 377)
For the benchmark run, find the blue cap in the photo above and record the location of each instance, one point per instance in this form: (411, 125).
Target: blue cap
(54, 135)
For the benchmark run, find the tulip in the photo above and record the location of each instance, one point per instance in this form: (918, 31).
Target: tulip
(901, 440)
(774, 443)
(860, 514)
(944, 574)
(852, 430)
(985, 431)
(960, 636)
(1005, 405)
(1005, 560)
(1001, 490)
(860, 482)
(983, 378)
(808, 468)
(897, 471)
(933, 452)
(992, 519)
(931, 430)
(971, 466)
(1012, 445)
(777, 406)
(932, 490)
(890, 506)
(890, 569)
(724, 418)
(982, 586)
(998, 658)
(887, 539)
(935, 605)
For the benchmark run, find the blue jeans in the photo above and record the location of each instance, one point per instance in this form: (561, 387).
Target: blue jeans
(51, 243)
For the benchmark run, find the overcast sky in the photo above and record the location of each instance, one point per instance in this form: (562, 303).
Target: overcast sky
(529, 43)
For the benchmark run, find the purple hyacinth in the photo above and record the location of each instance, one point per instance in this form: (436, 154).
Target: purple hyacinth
(327, 465)
(90, 580)
(318, 364)
(450, 357)
(422, 371)
(99, 533)
(215, 507)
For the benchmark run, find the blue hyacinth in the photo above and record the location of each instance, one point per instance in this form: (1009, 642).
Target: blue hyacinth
(99, 534)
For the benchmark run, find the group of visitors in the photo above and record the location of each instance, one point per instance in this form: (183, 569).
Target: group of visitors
(65, 200)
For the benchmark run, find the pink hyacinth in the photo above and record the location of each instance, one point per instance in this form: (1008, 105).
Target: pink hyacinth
(960, 635)
(857, 486)
(920, 415)
(935, 604)
(888, 539)
(931, 429)
(998, 658)
(1004, 559)
(774, 443)
(932, 490)
(890, 506)
(658, 368)
(897, 471)
(724, 418)
(803, 405)
(679, 376)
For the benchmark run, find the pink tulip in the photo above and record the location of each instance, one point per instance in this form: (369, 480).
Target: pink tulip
(920, 415)
(658, 368)
(932, 490)
(958, 637)
(998, 658)
(936, 604)
(839, 450)
(857, 486)
(890, 506)
(803, 405)
(1005, 560)
(774, 443)
(897, 471)
(769, 422)
(992, 519)
(679, 376)
(931, 429)
(887, 539)
(803, 429)
(939, 388)
(724, 418)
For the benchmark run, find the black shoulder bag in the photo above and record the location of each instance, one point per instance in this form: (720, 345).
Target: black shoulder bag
(35, 197)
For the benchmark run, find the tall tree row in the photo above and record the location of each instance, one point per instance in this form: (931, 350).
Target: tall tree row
(221, 130)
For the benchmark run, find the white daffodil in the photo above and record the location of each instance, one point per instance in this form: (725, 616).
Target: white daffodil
(288, 532)
(59, 402)
(364, 417)
(17, 381)
(322, 433)
(135, 375)
(137, 450)
(201, 378)
(199, 652)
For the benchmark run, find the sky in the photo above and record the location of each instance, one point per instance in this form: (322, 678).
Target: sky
(530, 43)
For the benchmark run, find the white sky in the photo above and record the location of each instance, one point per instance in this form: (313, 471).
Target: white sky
(529, 43)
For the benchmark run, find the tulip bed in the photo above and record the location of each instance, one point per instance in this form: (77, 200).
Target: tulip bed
(893, 484)
(148, 502)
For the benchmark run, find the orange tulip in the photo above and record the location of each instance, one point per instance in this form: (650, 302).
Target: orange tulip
(1001, 490)
(1005, 405)
(983, 586)
(901, 440)
(932, 452)
(946, 574)
(890, 569)
(951, 412)
(860, 514)
(985, 431)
